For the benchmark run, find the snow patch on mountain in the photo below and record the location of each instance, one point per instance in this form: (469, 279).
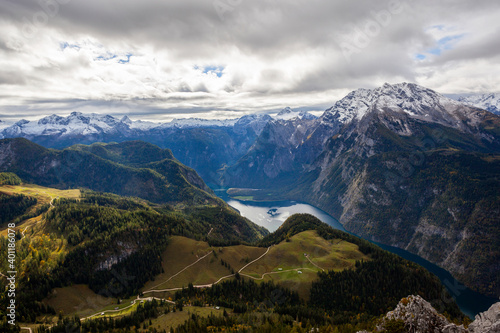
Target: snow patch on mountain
(4, 124)
(488, 102)
(289, 114)
(76, 123)
(197, 122)
(408, 98)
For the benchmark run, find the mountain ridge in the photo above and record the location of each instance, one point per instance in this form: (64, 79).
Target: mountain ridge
(380, 173)
(489, 102)
(78, 166)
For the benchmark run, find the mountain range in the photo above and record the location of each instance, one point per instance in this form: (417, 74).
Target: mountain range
(122, 217)
(399, 164)
(206, 145)
(490, 102)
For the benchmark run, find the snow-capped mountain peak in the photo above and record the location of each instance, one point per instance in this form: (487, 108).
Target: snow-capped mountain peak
(78, 124)
(285, 111)
(408, 98)
(198, 122)
(52, 119)
(255, 121)
(75, 123)
(3, 125)
(126, 120)
(489, 102)
(288, 114)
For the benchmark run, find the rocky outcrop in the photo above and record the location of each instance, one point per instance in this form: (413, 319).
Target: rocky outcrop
(418, 315)
(414, 314)
(488, 321)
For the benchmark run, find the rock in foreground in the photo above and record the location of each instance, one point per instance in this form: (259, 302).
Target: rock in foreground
(414, 314)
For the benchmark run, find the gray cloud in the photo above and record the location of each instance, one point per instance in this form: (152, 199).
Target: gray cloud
(9, 77)
(271, 52)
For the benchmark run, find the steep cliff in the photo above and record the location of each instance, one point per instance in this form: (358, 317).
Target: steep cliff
(400, 164)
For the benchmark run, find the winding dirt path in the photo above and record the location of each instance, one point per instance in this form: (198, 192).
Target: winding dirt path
(138, 299)
(314, 263)
(278, 272)
(197, 286)
(182, 270)
(251, 262)
(151, 290)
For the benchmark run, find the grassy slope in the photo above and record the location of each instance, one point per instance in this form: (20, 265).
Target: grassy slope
(77, 298)
(332, 254)
(180, 253)
(174, 319)
(183, 251)
(72, 168)
(44, 195)
(289, 256)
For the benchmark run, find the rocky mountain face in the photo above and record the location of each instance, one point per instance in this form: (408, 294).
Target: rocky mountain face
(400, 109)
(488, 321)
(417, 171)
(414, 314)
(399, 164)
(489, 102)
(278, 154)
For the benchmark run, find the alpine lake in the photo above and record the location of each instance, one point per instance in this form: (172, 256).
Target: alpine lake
(271, 214)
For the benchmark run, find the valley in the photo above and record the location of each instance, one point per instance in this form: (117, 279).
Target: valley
(114, 233)
(259, 166)
(469, 301)
(185, 262)
(401, 165)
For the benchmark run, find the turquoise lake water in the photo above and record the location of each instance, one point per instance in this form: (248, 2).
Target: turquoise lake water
(272, 214)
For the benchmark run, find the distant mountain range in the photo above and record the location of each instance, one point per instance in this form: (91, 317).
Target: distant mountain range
(489, 102)
(400, 164)
(206, 145)
(80, 125)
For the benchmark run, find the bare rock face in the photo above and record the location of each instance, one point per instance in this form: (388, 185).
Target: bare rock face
(413, 314)
(488, 321)
(418, 315)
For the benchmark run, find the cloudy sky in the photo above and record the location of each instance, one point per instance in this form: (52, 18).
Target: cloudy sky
(159, 59)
